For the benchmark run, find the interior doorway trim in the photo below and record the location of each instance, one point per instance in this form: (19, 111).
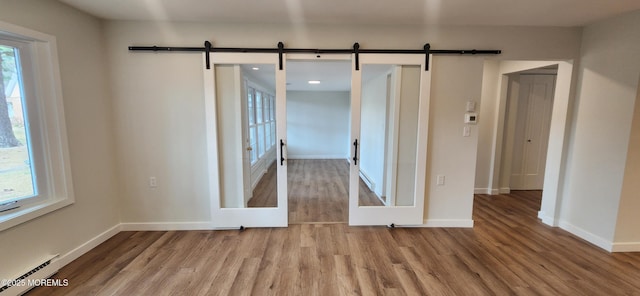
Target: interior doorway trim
(556, 149)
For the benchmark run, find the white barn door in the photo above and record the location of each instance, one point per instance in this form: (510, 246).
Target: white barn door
(245, 102)
(390, 96)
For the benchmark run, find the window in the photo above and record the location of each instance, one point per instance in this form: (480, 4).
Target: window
(260, 123)
(261, 119)
(273, 121)
(35, 176)
(251, 114)
(16, 166)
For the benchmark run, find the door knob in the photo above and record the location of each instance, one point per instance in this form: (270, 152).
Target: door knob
(249, 148)
(529, 140)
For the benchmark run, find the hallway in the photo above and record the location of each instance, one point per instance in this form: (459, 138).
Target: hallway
(318, 191)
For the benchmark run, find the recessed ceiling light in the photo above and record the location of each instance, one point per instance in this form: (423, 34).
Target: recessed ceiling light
(255, 68)
(314, 81)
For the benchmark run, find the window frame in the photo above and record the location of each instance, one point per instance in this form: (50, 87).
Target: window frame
(251, 117)
(45, 124)
(28, 97)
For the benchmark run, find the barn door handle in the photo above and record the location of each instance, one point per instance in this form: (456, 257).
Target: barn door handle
(281, 155)
(355, 156)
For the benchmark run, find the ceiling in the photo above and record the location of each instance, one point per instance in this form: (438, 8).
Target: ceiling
(389, 12)
(332, 75)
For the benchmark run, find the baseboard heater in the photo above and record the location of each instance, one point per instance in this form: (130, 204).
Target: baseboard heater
(31, 279)
(367, 181)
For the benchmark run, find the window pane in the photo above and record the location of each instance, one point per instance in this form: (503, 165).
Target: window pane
(260, 140)
(273, 133)
(258, 107)
(267, 109)
(16, 169)
(267, 131)
(251, 114)
(273, 109)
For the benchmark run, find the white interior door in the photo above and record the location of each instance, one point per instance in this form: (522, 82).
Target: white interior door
(532, 131)
(389, 130)
(245, 101)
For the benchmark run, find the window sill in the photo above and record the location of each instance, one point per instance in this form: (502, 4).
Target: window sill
(18, 216)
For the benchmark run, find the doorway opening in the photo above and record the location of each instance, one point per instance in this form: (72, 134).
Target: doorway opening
(525, 109)
(318, 132)
(319, 149)
(526, 135)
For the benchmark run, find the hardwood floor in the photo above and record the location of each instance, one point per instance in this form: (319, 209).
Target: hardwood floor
(318, 191)
(265, 195)
(508, 252)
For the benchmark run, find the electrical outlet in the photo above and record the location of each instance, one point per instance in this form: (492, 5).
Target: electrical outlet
(440, 180)
(153, 182)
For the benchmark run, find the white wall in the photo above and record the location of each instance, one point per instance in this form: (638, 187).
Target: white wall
(450, 154)
(604, 110)
(486, 114)
(628, 223)
(509, 133)
(149, 133)
(158, 101)
(88, 111)
(408, 135)
(231, 148)
(318, 124)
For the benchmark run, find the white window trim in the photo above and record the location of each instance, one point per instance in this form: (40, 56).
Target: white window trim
(50, 122)
(249, 89)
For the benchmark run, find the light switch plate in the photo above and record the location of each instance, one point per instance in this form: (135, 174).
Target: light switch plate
(471, 106)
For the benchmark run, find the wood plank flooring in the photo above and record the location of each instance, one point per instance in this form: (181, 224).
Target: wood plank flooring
(318, 191)
(265, 194)
(508, 252)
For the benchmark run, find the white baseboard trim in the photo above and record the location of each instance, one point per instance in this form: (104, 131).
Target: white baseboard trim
(546, 219)
(626, 247)
(365, 177)
(504, 190)
(87, 246)
(317, 156)
(489, 191)
(588, 236)
(165, 226)
(481, 191)
(257, 179)
(444, 223)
